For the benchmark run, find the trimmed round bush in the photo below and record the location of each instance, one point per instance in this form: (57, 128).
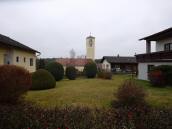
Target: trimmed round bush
(90, 70)
(71, 73)
(130, 94)
(56, 69)
(14, 82)
(42, 79)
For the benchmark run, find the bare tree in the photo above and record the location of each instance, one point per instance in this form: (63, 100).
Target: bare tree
(72, 53)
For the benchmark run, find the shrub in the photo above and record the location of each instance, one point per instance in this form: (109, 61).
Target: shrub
(30, 117)
(56, 70)
(42, 79)
(100, 74)
(161, 75)
(130, 94)
(80, 73)
(71, 73)
(104, 75)
(14, 82)
(157, 78)
(108, 75)
(90, 70)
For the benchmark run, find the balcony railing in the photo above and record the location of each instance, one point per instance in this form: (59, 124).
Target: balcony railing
(162, 56)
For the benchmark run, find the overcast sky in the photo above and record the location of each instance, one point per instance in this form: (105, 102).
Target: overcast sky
(54, 27)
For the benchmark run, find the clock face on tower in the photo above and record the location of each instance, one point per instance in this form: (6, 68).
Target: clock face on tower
(90, 43)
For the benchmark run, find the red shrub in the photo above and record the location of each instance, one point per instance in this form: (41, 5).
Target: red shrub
(14, 82)
(157, 78)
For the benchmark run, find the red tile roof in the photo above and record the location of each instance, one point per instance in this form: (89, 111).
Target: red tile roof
(72, 61)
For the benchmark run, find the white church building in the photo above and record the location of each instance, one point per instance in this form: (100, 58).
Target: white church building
(162, 56)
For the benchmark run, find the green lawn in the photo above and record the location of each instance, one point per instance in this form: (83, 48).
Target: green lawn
(94, 93)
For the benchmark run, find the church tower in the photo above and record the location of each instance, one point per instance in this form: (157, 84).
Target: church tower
(90, 46)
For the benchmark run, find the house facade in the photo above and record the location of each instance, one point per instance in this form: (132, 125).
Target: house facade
(15, 53)
(119, 64)
(162, 56)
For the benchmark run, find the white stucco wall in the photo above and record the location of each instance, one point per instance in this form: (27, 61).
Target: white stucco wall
(143, 69)
(105, 64)
(160, 44)
(79, 68)
(13, 53)
(27, 55)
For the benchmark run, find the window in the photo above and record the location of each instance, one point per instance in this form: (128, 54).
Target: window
(150, 67)
(107, 66)
(17, 59)
(24, 59)
(117, 66)
(31, 61)
(168, 47)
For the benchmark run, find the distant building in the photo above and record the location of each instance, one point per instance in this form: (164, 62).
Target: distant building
(15, 53)
(119, 64)
(78, 63)
(162, 56)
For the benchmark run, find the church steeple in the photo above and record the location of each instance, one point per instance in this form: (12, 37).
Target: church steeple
(90, 46)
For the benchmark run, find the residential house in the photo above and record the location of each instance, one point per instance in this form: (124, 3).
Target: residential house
(162, 56)
(119, 64)
(15, 53)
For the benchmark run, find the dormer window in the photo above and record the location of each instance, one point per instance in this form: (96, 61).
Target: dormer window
(168, 47)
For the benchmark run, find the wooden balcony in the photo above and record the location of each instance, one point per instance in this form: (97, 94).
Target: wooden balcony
(162, 56)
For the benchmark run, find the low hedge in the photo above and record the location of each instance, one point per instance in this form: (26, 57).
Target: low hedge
(104, 75)
(30, 117)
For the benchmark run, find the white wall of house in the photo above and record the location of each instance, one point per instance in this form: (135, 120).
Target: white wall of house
(8, 56)
(21, 54)
(79, 68)
(143, 69)
(106, 65)
(160, 44)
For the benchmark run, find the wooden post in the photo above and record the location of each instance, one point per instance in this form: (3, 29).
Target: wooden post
(148, 46)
